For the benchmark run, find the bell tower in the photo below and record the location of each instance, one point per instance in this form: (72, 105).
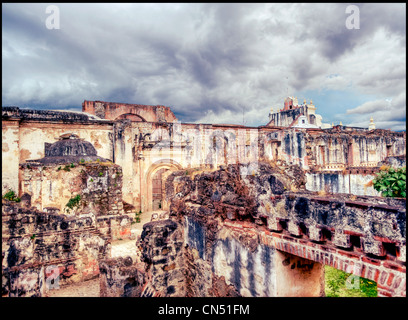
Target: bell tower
(371, 126)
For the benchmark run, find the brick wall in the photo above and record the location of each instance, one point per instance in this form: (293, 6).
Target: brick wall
(389, 275)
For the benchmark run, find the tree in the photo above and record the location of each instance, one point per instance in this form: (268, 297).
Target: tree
(391, 182)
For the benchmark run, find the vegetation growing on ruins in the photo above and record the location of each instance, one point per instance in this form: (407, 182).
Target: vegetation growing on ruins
(341, 284)
(73, 203)
(11, 195)
(391, 182)
(137, 216)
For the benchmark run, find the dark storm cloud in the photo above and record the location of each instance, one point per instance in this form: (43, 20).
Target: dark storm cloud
(200, 57)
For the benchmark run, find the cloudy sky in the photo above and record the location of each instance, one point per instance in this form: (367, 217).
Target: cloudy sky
(211, 63)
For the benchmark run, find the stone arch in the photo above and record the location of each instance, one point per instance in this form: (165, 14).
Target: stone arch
(132, 117)
(157, 168)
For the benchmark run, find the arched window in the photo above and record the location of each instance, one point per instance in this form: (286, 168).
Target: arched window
(312, 119)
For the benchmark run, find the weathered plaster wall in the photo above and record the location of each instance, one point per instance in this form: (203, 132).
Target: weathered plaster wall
(251, 270)
(141, 148)
(298, 277)
(33, 136)
(331, 149)
(98, 184)
(294, 148)
(10, 155)
(52, 185)
(338, 182)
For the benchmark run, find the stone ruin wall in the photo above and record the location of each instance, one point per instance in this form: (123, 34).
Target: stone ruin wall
(113, 111)
(229, 235)
(225, 236)
(98, 184)
(42, 250)
(43, 241)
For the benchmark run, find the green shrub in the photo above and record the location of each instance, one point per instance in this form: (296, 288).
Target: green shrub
(137, 216)
(11, 195)
(391, 182)
(73, 203)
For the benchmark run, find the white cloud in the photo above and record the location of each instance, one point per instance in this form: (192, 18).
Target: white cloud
(387, 113)
(370, 106)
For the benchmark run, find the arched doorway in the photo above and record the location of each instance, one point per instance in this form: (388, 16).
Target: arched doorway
(158, 189)
(156, 178)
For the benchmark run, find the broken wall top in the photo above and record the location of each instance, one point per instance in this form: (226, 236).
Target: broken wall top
(15, 113)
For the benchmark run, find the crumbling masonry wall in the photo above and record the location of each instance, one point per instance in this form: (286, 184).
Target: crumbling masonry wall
(46, 243)
(233, 216)
(264, 235)
(121, 277)
(136, 112)
(169, 268)
(44, 250)
(98, 184)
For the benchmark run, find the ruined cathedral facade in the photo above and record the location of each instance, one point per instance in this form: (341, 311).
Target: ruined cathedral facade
(148, 142)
